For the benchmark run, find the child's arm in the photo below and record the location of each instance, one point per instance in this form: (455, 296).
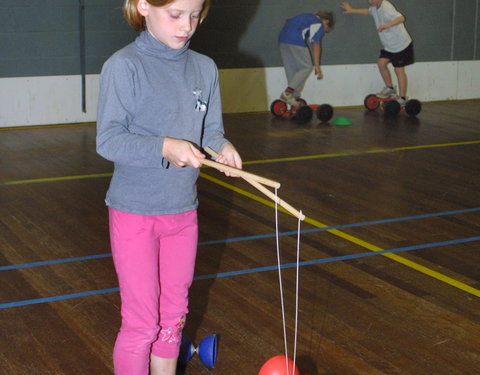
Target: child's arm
(347, 8)
(317, 49)
(228, 155)
(181, 153)
(392, 23)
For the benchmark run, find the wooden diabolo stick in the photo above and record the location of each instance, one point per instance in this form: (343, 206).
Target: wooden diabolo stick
(276, 199)
(255, 182)
(246, 175)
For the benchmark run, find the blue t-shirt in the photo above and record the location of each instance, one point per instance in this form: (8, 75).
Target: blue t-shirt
(302, 28)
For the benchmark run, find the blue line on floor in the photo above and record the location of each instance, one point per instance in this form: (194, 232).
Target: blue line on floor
(54, 261)
(344, 226)
(342, 257)
(57, 298)
(251, 270)
(248, 238)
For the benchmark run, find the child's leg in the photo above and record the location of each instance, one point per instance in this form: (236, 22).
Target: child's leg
(176, 268)
(163, 366)
(382, 64)
(135, 254)
(298, 66)
(402, 80)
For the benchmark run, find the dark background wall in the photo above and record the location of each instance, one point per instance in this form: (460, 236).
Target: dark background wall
(41, 37)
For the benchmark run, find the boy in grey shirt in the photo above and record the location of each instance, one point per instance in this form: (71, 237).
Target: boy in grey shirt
(397, 44)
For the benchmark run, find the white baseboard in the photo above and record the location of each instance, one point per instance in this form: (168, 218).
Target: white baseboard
(57, 99)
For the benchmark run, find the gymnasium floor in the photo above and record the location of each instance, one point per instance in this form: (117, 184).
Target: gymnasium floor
(389, 251)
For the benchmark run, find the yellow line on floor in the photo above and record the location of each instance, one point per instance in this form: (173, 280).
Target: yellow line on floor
(264, 161)
(46, 126)
(361, 152)
(357, 241)
(55, 179)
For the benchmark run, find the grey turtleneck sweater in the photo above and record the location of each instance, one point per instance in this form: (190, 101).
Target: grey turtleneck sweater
(149, 91)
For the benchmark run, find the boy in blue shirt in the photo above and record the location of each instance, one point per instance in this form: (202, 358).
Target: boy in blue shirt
(299, 43)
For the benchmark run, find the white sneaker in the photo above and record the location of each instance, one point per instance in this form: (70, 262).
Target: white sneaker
(387, 92)
(288, 98)
(402, 101)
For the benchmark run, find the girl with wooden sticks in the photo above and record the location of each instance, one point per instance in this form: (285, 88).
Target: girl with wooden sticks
(159, 102)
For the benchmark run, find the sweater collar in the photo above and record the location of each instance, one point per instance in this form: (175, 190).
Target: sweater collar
(152, 46)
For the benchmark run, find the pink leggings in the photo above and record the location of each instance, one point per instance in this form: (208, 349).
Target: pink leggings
(154, 258)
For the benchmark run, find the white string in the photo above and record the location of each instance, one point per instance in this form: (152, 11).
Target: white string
(277, 238)
(297, 282)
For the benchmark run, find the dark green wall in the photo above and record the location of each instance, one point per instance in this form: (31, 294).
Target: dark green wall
(41, 37)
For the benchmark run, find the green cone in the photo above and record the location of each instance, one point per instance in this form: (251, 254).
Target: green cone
(342, 120)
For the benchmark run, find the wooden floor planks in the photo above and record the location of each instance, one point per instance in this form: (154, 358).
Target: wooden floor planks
(380, 184)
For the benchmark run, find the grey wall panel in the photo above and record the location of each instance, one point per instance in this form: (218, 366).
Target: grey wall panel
(464, 31)
(247, 33)
(430, 22)
(106, 31)
(41, 37)
(38, 38)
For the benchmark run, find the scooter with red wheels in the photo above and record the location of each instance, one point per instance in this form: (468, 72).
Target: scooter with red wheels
(303, 113)
(391, 107)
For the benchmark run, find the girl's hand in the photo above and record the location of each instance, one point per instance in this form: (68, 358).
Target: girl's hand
(181, 153)
(318, 72)
(228, 155)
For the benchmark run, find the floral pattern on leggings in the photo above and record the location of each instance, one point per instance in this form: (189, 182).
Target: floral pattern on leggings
(173, 335)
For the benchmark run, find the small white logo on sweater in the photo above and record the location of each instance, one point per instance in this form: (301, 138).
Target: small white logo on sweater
(200, 104)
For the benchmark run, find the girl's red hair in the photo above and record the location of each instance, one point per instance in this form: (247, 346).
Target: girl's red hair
(137, 21)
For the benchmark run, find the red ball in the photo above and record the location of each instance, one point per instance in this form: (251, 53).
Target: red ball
(278, 366)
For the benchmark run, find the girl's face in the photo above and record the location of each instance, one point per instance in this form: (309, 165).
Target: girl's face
(375, 3)
(172, 24)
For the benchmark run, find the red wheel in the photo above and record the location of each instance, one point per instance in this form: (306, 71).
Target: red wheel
(371, 102)
(278, 108)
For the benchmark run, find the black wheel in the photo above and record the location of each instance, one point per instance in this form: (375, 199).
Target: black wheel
(324, 112)
(303, 114)
(413, 107)
(371, 102)
(391, 108)
(278, 107)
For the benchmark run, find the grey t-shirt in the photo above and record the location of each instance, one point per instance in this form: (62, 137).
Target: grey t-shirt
(149, 91)
(396, 38)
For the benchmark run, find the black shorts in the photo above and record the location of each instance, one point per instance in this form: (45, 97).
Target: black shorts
(399, 59)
